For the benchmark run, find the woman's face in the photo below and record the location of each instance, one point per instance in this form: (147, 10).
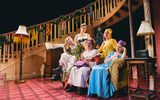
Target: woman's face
(89, 44)
(83, 29)
(70, 41)
(107, 35)
(119, 48)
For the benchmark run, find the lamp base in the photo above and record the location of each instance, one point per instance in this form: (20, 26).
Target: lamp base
(20, 81)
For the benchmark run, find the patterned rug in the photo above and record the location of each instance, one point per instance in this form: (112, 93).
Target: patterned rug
(44, 89)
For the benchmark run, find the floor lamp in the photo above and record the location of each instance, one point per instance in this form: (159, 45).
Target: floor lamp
(20, 34)
(144, 30)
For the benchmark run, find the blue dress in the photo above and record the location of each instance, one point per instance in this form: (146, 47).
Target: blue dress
(100, 82)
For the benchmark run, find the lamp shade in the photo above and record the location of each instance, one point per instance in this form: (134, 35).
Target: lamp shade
(145, 29)
(21, 31)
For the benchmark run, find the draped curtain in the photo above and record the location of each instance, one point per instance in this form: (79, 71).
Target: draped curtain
(156, 13)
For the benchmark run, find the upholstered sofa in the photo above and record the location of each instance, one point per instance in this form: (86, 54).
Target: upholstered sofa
(118, 72)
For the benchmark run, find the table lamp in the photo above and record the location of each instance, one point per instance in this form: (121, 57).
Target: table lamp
(146, 29)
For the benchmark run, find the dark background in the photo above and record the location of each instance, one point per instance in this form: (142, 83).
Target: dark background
(31, 12)
(121, 31)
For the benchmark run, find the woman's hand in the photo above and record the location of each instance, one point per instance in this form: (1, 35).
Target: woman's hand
(107, 59)
(124, 49)
(115, 56)
(124, 54)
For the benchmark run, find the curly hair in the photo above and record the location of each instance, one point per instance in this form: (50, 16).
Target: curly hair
(108, 30)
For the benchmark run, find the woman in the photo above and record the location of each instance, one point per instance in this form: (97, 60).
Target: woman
(72, 53)
(67, 57)
(108, 45)
(71, 50)
(100, 82)
(79, 73)
(82, 36)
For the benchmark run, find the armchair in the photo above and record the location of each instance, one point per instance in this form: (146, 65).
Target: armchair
(118, 72)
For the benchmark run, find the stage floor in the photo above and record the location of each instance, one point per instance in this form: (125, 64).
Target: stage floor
(44, 89)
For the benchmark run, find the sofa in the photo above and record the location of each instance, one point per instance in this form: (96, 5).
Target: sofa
(118, 72)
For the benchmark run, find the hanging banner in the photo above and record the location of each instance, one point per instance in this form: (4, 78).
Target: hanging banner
(63, 25)
(48, 28)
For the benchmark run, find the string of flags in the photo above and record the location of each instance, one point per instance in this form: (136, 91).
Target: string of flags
(46, 27)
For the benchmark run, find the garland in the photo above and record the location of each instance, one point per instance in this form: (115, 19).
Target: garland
(4, 40)
(77, 13)
(33, 33)
(48, 28)
(41, 28)
(37, 29)
(98, 36)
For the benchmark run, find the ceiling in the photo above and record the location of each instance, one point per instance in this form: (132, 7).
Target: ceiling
(31, 12)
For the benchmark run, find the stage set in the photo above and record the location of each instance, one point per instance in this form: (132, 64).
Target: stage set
(32, 66)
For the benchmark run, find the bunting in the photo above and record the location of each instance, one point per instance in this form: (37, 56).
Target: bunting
(37, 30)
(48, 28)
(3, 40)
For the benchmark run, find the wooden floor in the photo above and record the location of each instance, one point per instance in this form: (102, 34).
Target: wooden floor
(44, 89)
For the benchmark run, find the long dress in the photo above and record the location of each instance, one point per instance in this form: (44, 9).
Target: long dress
(78, 76)
(100, 82)
(68, 58)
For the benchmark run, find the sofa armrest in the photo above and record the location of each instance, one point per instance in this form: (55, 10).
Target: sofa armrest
(114, 70)
(118, 63)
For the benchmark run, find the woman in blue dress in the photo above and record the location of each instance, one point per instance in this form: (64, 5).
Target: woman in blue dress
(100, 83)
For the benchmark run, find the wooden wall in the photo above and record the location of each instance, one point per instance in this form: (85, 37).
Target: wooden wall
(31, 65)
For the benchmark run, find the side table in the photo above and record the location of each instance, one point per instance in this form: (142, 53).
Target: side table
(146, 94)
